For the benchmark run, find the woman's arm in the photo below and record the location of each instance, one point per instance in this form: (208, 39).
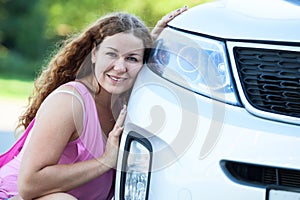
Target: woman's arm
(39, 173)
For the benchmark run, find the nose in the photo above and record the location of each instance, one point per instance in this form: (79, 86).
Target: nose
(119, 65)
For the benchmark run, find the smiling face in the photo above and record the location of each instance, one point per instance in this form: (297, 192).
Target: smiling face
(118, 59)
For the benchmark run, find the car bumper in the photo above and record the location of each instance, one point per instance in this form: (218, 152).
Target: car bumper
(191, 135)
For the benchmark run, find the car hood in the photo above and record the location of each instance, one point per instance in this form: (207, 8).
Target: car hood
(272, 20)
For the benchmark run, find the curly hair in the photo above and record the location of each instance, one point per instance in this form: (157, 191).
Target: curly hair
(65, 65)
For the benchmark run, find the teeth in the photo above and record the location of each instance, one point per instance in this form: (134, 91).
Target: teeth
(115, 79)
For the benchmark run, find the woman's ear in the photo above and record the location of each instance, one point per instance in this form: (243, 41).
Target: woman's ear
(94, 52)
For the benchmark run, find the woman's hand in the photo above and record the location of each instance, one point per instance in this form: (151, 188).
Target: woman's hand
(112, 145)
(161, 24)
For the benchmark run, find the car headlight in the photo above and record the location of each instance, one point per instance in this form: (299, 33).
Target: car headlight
(136, 169)
(195, 63)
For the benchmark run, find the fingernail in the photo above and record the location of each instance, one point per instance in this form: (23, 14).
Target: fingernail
(178, 9)
(185, 6)
(170, 16)
(123, 109)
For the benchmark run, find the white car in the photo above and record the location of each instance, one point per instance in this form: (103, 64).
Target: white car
(215, 112)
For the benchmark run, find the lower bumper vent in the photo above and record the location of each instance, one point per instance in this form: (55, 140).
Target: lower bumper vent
(258, 175)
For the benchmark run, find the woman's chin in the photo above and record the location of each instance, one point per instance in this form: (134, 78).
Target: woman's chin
(115, 90)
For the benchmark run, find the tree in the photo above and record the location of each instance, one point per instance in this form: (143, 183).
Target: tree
(29, 29)
(22, 23)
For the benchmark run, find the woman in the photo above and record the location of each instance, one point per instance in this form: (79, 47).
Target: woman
(72, 146)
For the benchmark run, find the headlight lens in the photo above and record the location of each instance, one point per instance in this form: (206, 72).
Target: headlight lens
(137, 172)
(195, 63)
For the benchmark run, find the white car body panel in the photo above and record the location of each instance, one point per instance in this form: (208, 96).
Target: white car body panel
(193, 136)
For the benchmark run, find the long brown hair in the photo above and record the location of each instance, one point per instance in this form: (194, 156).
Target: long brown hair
(65, 65)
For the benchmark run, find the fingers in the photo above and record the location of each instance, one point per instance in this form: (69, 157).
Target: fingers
(121, 117)
(161, 24)
(167, 18)
(119, 125)
(173, 14)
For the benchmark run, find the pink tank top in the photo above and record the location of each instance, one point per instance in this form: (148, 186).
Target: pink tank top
(89, 145)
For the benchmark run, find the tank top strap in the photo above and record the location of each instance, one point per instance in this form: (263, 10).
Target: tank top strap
(81, 88)
(91, 122)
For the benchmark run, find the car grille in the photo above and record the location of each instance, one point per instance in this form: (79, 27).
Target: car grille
(270, 79)
(258, 175)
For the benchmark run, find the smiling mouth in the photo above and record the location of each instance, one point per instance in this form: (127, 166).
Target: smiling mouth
(116, 79)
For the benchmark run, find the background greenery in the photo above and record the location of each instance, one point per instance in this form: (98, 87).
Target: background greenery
(31, 29)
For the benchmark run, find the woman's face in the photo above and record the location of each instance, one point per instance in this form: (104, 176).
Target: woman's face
(118, 59)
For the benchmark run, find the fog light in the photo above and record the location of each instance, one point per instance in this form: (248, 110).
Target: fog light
(137, 172)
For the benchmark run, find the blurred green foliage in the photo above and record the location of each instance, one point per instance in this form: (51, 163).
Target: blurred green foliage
(15, 89)
(30, 29)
